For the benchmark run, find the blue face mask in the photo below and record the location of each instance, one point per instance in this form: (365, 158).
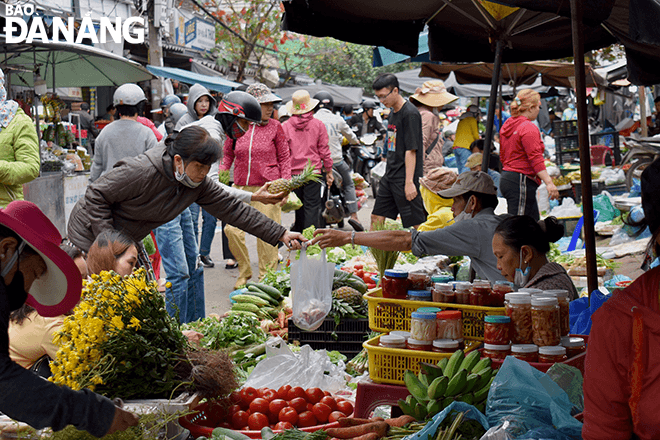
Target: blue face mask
(521, 278)
(185, 179)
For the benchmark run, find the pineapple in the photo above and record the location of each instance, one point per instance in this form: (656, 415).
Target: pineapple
(223, 176)
(307, 175)
(348, 295)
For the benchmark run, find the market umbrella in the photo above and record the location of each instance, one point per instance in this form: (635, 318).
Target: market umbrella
(340, 94)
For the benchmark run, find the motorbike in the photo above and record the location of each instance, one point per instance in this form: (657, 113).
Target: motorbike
(336, 209)
(365, 157)
(641, 153)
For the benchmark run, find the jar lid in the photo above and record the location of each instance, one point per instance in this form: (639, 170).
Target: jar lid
(481, 283)
(404, 335)
(497, 347)
(518, 298)
(544, 300)
(442, 279)
(530, 290)
(503, 282)
(420, 293)
(444, 286)
(446, 343)
(559, 293)
(568, 341)
(449, 314)
(497, 319)
(396, 273)
(412, 341)
(392, 339)
(423, 315)
(553, 350)
(524, 348)
(463, 285)
(429, 310)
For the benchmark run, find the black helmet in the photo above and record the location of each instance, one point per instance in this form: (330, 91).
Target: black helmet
(325, 100)
(369, 103)
(235, 105)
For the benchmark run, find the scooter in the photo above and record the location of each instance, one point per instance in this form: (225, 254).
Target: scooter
(336, 209)
(365, 157)
(641, 153)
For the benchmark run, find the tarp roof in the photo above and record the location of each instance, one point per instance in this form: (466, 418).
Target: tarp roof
(341, 95)
(210, 82)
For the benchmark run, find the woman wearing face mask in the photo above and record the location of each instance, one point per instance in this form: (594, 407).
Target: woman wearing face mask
(31, 261)
(520, 245)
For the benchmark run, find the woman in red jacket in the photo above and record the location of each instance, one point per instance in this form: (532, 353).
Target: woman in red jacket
(622, 367)
(521, 152)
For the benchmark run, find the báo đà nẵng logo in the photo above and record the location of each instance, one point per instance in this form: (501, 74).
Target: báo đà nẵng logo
(18, 30)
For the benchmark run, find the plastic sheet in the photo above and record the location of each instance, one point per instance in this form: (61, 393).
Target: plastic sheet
(603, 203)
(581, 310)
(431, 427)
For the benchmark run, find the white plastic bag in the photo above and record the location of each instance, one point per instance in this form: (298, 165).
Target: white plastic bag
(311, 289)
(379, 170)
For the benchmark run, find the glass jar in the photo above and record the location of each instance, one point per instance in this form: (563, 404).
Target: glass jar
(480, 293)
(429, 309)
(545, 321)
(423, 326)
(564, 310)
(442, 279)
(497, 330)
(392, 341)
(552, 354)
(499, 352)
(530, 290)
(448, 346)
(72, 156)
(419, 295)
(449, 325)
(518, 307)
(404, 335)
(525, 352)
(443, 293)
(463, 292)
(574, 346)
(419, 281)
(395, 284)
(500, 289)
(415, 344)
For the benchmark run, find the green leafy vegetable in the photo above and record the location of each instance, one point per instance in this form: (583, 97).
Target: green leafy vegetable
(234, 331)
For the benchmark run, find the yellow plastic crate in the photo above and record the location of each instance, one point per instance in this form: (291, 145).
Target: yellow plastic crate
(387, 365)
(386, 314)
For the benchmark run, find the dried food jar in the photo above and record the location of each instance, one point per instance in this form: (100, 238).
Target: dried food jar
(392, 341)
(499, 352)
(419, 295)
(463, 292)
(419, 281)
(552, 354)
(448, 346)
(564, 310)
(416, 344)
(443, 293)
(518, 307)
(500, 288)
(480, 293)
(574, 346)
(395, 284)
(449, 325)
(423, 326)
(545, 321)
(404, 335)
(497, 330)
(525, 352)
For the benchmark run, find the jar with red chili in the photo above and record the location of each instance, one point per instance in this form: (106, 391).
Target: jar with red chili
(574, 346)
(497, 330)
(525, 352)
(419, 281)
(443, 293)
(499, 352)
(463, 292)
(480, 293)
(445, 346)
(500, 288)
(395, 284)
(416, 344)
(552, 354)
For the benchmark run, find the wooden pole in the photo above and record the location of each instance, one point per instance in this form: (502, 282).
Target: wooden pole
(492, 102)
(642, 111)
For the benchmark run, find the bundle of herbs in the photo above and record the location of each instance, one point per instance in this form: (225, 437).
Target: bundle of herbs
(384, 259)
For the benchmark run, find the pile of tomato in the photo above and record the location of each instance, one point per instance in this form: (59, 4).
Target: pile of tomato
(288, 407)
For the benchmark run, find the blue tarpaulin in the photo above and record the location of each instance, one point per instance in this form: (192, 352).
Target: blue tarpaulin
(210, 82)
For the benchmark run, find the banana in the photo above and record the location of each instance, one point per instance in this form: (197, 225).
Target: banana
(454, 363)
(416, 388)
(438, 387)
(481, 394)
(432, 371)
(423, 378)
(433, 407)
(472, 381)
(457, 383)
(443, 364)
(470, 361)
(483, 363)
(467, 398)
(484, 378)
(446, 402)
(420, 412)
(406, 408)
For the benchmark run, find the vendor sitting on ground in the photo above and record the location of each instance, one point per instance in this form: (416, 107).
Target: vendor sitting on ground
(471, 235)
(112, 250)
(520, 244)
(438, 208)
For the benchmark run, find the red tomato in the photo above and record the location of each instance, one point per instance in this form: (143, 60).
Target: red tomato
(225, 425)
(358, 266)
(259, 405)
(282, 426)
(239, 419)
(321, 412)
(235, 397)
(327, 393)
(334, 416)
(248, 395)
(330, 401)
(257, 421)
(306, 419)
(359, 273)
(288, 414)
(345, 407)
(299, 404)
(283, 392)
(296, 392)
(276, 406)
(269, 394)
(314, 395)
(273, 419)
(310, 406)
(233, 410)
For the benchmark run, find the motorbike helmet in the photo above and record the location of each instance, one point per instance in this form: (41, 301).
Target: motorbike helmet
(325, 100)
(169, 100)
(237, 105)
(369, 103)
(177, 110)
(128, 94)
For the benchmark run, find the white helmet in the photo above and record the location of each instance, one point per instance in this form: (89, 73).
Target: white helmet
(177, 110)
(128, 94)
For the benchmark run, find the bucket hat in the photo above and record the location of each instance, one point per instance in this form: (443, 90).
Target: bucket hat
(58, 290)
(301, 103)
(438, 179)
(433, 94)
(476, 181)
(262, 93)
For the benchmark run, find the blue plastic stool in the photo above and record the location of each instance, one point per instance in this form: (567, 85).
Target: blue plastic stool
(576, 233)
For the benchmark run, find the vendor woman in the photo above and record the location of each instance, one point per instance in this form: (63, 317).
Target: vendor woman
(31, 261)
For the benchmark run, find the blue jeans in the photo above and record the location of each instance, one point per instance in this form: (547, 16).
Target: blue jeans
(178, 249)
(208, 228)
(496, 180)
(461, 155)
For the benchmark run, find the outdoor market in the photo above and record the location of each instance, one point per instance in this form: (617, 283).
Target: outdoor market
(329, 220)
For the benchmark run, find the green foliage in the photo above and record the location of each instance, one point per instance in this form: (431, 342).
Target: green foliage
(333, 255)
(234, 331)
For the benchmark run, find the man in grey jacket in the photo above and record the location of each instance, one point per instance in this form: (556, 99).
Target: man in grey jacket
(475, 200)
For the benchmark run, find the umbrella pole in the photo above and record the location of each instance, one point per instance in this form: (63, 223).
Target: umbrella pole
(492, 102)
(583, 139)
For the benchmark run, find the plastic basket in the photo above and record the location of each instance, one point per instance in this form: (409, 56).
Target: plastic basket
(386, 314)
(346, 338)
(387, 365)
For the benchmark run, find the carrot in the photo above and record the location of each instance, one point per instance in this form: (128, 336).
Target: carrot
(355, 421)
(380, 428)
(400, 421)
(370, 436)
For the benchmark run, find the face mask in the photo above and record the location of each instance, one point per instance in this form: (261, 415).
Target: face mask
(464, 214)
(520, 278)
(16, 292)
(236, 130)
(184, 179)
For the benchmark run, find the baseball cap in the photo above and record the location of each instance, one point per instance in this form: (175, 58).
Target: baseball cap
(476, 181)
(474, 160)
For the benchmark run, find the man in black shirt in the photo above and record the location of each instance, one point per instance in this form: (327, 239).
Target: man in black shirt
(398, 192)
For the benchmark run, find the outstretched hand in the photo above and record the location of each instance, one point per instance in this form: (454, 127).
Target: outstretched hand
(293, 240)
(122, 420)
(330, 238)
(263, 196)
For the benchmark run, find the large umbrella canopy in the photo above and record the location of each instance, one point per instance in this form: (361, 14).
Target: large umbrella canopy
(341, 95)
(75, 65)
(210, 82)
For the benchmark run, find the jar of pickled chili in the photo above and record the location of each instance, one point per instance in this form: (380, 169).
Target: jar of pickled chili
(443, 293)
(449, 325)
(564, 310)
(419, 281)
(392, 341)
(552, 354)
(497, 330)
(499, 352)
(525, 352)
(480, 293)
(416, 344)
(500, 288)
(395, 284)
(447, 346)
(463, 292)
(518, 307)
(574, 345)
(545, 321)
(419, 295)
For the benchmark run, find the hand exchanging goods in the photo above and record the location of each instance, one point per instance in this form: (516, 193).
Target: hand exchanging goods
(263, 196)
(330, 238)
(293, 240)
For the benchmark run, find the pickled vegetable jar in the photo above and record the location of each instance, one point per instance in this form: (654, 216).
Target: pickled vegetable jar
(449, 325)
(480, 293)
(564, 310)
(574, 346)
(497, 330)
(395, 284)
(525, 352)
(552, 354)
(500, 289)
(403, 334)
(419, 281)
(392, 341)
(419, 295)
(518, 307)
(463, 292)
(443, 292)
(423, 326)
(415, 344)
(499, 352)
(445, 345)
(545, 321)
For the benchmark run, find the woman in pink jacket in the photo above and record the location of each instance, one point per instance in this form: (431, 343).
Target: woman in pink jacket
(260, 156)
(308, 140)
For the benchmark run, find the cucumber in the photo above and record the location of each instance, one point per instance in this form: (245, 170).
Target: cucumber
(252, 290)
(234, 435)
(270, 290)
(246, 307)
(251, 299)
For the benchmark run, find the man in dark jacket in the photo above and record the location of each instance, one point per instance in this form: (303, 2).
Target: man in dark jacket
(87, 123)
